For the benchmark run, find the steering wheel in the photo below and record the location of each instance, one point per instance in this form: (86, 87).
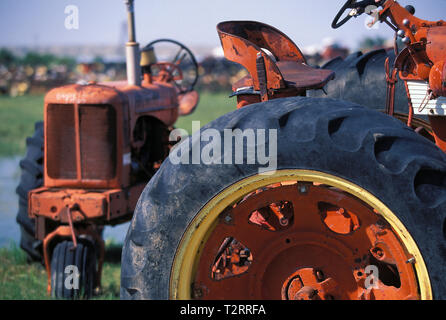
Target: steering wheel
(352, 4)
(166, 72)
(173, 62)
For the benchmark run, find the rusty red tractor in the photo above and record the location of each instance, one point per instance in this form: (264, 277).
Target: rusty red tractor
(354, 206)
(98, 146)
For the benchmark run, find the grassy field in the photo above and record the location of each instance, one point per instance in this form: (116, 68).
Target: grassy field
(22, 280)
(18, 115)
(210, 107)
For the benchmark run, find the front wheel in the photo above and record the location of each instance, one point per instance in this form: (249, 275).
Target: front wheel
(73, 270)
(355, 210)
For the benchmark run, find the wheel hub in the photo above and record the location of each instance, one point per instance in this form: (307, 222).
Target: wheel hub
(293, 240)
(308, 284)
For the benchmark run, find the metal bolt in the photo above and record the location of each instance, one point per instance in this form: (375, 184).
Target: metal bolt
(406, 40)
(406, 22)
(197, 293)
(302, 188)
(378, 252)
(411, 260)
(283, 222)
(401, 33)
(320, 276)
(354, 12)
(244, 253)
(228, 218)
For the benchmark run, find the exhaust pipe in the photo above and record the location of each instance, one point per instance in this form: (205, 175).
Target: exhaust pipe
(132, 48)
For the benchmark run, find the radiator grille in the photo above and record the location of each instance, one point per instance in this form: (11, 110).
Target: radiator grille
(61, 141)
(97, 136)
(98, 141)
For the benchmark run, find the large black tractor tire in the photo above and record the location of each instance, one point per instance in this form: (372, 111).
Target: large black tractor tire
(31, 178)
(73, 270)
(372, 150)
(361, 78)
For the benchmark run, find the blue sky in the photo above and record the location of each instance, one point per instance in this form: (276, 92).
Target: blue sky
(41, 22)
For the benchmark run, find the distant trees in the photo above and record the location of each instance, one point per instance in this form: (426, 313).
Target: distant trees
(7, 58)
(34, 59)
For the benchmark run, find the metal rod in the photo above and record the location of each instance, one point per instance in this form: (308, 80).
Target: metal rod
(70, 223)
(132, 48)
(130, 20)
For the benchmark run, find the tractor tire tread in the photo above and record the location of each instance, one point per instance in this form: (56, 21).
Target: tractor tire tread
(402, 169)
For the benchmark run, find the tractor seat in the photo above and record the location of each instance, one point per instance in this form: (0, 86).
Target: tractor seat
(285, 66)
(301, 76)
(296, 75)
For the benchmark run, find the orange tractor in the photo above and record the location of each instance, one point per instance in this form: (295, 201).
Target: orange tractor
(354, 205)
(90, 159)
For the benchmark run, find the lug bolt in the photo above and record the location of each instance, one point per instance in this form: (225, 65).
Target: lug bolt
(197, 293)
(411, 260)
(283, 222)
(378, 253)
(320, 276)
(244, 253)
(302, 188)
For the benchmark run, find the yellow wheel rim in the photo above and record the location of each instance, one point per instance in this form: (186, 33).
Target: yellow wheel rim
(188, 252)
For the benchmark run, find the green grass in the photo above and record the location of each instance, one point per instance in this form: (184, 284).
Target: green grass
(210, 107)
(18, 115)
(20, 280)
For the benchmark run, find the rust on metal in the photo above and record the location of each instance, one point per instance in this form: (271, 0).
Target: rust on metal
(188, 102)
(115, 102)
(323, 254)
(309, 284)
(276, 66)
(423, 59)
(101, 205)
(391, 79)
(437, 78)
(426, 41)
(302, 76)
